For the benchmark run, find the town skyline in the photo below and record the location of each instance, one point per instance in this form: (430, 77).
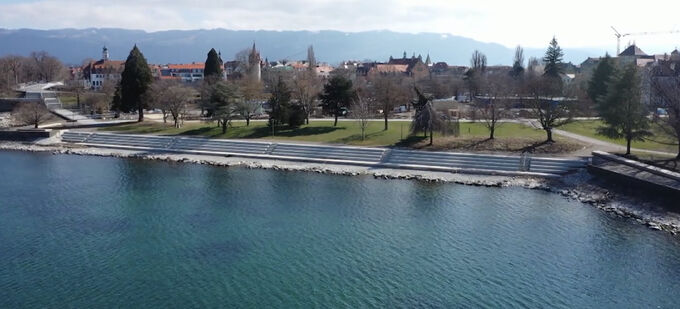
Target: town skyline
(507, 24)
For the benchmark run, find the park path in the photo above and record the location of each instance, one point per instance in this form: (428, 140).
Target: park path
(598, 144)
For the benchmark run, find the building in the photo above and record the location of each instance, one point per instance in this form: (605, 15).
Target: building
(415, 67)
(97, 73)
(254, 64)
(634, 54)
(186, 72)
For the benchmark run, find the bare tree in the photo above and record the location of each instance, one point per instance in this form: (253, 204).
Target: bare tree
(177, 99)
(14, 65)
(306, 87)
(311, 59)
(362, 111)
(31, 113)
(534, 67)
(251, 92)
(548, 106)
(48, 68)
(389, 92)
(172, 98)
(666, 94)
(475, 73)
(478, 61)
(96, 103)
(492, 107)
(155, 98)
(518, 63)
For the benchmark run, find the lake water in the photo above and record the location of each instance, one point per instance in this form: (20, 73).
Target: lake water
(92, 232)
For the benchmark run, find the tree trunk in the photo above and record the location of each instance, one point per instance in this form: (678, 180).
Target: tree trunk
(141, 115)
(306, 118)
(678, 156)
(549, 133)
(336, 120)
(36, 125)
(177, 122)
(247, 121)
(492, 130)
(431, 136)
(628, 146)
(224, 127)
(384, 113)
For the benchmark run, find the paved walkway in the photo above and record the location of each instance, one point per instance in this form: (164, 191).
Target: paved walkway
(635, 171)
(607, 146)
(599, 144)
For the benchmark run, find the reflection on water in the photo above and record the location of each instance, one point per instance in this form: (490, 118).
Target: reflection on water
(104, 232)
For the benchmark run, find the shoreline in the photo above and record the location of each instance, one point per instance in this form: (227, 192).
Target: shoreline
(579, 186)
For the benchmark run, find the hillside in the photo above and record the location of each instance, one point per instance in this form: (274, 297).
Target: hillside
(74, 45)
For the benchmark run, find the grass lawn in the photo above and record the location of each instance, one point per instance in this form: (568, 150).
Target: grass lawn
(347, 132)
(68, 101)
(589, 128)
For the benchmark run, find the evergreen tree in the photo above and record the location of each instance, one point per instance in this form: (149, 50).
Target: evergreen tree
(602, 76)
(213, 65)
(296, 116)
(622, 111)
(116, 104)
(135, 81)
(337, 96)
(279, 104)
(223, 96)
(553, 60)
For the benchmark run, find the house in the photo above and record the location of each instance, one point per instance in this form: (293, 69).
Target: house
(387, 69)
(186, 72)
(415, 67)
(323, 70)
(104, 70)
(633, 54)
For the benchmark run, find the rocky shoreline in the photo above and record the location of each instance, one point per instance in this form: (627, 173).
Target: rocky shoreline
(579, 186)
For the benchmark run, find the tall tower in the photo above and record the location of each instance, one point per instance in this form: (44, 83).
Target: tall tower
(105, 53)
(255, 64)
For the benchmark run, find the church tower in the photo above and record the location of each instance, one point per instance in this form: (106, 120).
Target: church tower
(105, 54)
(255, 64)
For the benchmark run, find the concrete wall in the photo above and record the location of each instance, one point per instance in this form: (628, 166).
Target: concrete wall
(25, 135)
(8, 104)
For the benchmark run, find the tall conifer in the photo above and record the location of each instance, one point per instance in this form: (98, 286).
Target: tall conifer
(135, 81)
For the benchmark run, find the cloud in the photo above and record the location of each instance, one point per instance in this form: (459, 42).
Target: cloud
(577, 23)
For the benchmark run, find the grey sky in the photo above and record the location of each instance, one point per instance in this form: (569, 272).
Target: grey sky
(576, 23)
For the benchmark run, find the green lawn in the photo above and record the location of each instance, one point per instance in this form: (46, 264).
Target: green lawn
(347, 132)
(589, 128)
(68, 101)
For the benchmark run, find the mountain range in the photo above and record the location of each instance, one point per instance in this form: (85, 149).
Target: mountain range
(73, 46)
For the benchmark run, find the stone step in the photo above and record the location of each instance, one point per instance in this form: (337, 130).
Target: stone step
(357, 154)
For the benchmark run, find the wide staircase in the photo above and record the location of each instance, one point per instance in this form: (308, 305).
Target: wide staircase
(376, 157)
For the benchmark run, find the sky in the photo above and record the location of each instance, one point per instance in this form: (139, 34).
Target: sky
(530, 23)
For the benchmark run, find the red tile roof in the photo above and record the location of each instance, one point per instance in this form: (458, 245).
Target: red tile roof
(190, 66)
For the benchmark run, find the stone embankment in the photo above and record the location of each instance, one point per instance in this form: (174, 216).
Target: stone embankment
(363, 156)
(5, 120)
(579, 185)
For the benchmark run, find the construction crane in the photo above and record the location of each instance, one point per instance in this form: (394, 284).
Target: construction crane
(619, 36)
